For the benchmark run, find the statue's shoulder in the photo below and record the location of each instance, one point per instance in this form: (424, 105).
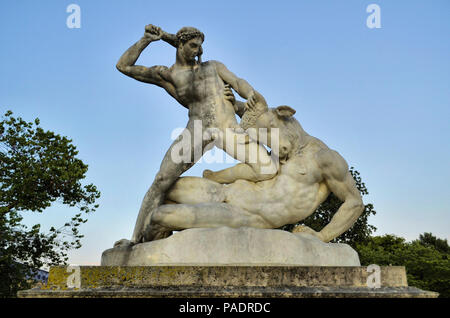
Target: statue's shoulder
(213, 63)
(210, 66)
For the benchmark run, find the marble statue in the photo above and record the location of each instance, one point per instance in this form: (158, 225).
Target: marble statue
(219, 235)
(198, 86)
(283, 186)
(309, 172)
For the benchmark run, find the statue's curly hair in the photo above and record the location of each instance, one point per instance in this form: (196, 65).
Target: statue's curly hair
(187, 33)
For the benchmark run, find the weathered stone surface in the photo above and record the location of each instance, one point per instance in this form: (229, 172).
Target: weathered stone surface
(253, 292)
(226, 281)
(225, 276)
(216, 246)
(265, 190)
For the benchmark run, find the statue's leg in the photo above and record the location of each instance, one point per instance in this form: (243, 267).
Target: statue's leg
(193, 190)
(173, 217)
(257, 163)
(169, 172)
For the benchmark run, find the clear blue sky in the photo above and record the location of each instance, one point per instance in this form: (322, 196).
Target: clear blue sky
(380, 97)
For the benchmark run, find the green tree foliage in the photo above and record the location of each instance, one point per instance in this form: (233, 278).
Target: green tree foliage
(359, 232)
(429, 240)
(426, 260)
(37, 168)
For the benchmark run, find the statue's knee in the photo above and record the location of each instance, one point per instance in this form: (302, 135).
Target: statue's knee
(160, 177)
(163, 181)
(160, 216)
(156, 217)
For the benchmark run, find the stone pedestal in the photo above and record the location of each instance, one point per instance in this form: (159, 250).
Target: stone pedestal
(227, 246)
(225, 281)
(224, 262)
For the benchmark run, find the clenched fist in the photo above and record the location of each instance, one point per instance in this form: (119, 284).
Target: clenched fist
(153, 33)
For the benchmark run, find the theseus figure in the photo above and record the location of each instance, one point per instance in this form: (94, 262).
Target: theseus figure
(200, 87)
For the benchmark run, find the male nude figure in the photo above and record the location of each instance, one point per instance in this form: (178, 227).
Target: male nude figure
(200, 88)
(309, 172)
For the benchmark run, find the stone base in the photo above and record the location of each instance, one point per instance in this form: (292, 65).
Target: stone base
(253, 292)
(242, 246)
(226, 281)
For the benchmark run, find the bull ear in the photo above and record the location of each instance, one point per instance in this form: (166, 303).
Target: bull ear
(285, 111)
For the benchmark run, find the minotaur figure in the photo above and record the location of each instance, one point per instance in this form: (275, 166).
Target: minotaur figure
(309, 171)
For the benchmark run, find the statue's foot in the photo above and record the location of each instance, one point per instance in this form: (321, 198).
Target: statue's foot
(124, 242)
(207, 174)
(211, 175)
(157, 232)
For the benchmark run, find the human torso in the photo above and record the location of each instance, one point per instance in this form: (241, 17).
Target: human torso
(200, 88)
(287, 198)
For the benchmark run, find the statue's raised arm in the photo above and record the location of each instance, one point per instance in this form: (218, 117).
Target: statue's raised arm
(157, 75)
